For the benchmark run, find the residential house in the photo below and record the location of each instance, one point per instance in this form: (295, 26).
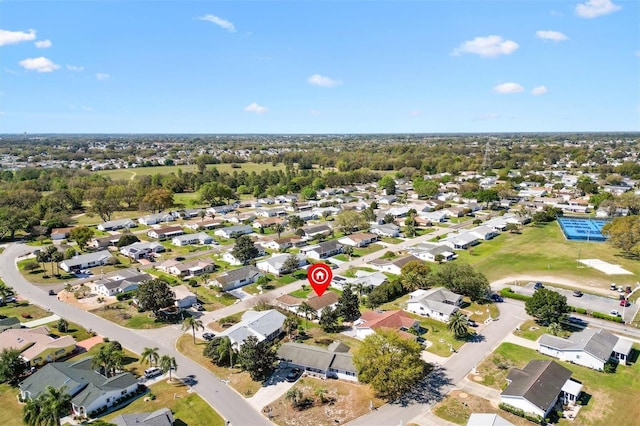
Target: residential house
(322, 250)
(273, 212)
(234, 231)
(189, 239)
(89, 389)
(311, 232)
(263, 325)
(236, 278)
(460, 241)
(591, 348)
(124, 281)
(387, 199)
(184, 297)
(85, 261)
(386, 230)
(393, 266)
(269, 222)
(192, 268)
(114, 225)
(317, 303)
(239, 218)
(429, 252)
(161, 417)
(36, 346)
(332, 362)
(60, 233)
(486, 419)
(142, 249)
(218, 210)
(497, 223)
(284, 243)
(439, 216)
(358, 240)
(99, 243)
(539, 386)
(165, 232)
(483, 232)
(371, 321)
(204, 223)
(154, 219)
(437, 303)
(368, 280)
(9, 323)
(275, 264)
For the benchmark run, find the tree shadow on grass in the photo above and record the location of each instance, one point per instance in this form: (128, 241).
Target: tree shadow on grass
(432, 388)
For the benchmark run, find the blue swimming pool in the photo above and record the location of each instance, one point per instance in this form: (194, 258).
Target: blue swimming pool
(582, 229)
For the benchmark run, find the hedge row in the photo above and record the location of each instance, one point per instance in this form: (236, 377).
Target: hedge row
(520, 413)
(607, 317)
(507, 292)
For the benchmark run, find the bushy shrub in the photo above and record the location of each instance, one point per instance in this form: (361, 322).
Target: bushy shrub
(520, 413)
(606, 317)
(507, 292)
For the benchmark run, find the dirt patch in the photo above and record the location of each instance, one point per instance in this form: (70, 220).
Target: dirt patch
(344, 402)
(86, 303)
(478, 378)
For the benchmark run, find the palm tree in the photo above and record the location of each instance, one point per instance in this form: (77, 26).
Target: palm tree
(47, 408)
(348, 250)
(5, 291)
(359, 288)
(321, 393)
(168, 363)
(306, 310)
(554, 328)
(56, 258)
(150, 356)
(32, 412)
(290, 325)
(294, 395)
(458, 324)
(192, 323)
(278, 228)
(410, 230)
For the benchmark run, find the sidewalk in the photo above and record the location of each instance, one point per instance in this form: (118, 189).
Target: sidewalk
(477, 389)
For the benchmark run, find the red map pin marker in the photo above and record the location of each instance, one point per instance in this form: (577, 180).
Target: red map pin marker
(319, 276)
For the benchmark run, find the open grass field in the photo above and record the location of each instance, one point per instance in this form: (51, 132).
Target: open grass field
(23, 310)
(348, 401)
(119, 174)
(543, 250)
(128, 316)
(188, 408)
(607, 391)
(11, 408)
(458, 406)
(239, 380)
(75, 330)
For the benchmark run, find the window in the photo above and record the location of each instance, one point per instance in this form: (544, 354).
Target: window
(124, 392)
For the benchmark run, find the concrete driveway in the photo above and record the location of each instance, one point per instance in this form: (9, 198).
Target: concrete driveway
(272, 389)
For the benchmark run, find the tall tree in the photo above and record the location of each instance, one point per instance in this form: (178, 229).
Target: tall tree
(257, 358)
(415, 275)
(462, 279)
(12, 365)
(192, 323)
(390, 363)
(81, 235)
(547, 306)
(154, 295)
(244, 249)
(290, 325)
(278, 228)
(307, 311)
(624, 233)
(348, 306)
(167, 364)
(157, 200)
(291, 264)
(149, 356)
(329, 320)
(219, 351)
(458, 324)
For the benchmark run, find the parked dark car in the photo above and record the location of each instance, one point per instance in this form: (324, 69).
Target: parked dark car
(179, 259)
(538, 286)
(208, 336)
(577, 293)
(52, 293)
(293, 375)
(496, 297)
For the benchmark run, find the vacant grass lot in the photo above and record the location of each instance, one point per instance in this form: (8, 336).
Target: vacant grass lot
(543, 250)
(148, 171)
(532, 331)
(75, 330)
(349, 400)
(238, 379)
(188, 408)
(128, 316)
(24, 311)
(607, 391)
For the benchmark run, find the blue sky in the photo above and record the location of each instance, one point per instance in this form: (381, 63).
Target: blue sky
(319, 66)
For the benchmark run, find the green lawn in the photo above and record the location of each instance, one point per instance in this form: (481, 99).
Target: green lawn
(212, 298)
(131, 362)
(301, 293)
(11, 408)
(75, 330)
(126, 315)
(543, 250)
(532, 331)
(606, 390)
(148, 171)
(24, 311)
(187, 408)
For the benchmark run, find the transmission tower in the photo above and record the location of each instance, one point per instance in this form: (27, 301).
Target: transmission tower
(486, 162)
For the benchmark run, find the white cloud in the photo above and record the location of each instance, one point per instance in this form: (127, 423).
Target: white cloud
(15, 37)
(595, 8)
(75, 68)
(254, 107)
(551, 35)
(40, 64)
(222, 23)
(323, 81)
(9, 70)
(540, 90)
(43, 44)
(102, 76)
(488, 46)
(506, 88)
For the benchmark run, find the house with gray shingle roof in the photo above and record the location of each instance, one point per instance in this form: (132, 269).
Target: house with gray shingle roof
(591, 348)
(487, 419)
(89, 389)
(235, 278)
(539, 386)
(437, 303)
(161, 417)
(264, 325)
(332, 362)
(84, 261)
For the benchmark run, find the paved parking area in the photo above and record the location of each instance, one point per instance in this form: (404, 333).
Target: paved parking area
(590, 302)
(272, 389)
